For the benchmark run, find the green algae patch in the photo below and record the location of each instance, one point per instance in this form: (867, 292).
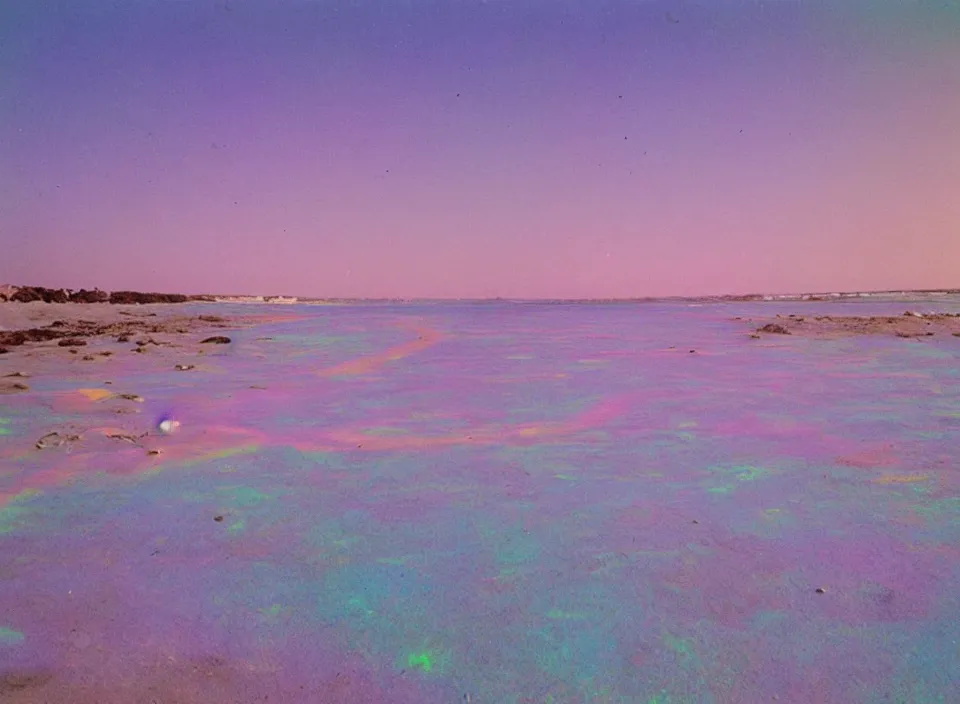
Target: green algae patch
(10, 637)
(13, 515)
(244, 495)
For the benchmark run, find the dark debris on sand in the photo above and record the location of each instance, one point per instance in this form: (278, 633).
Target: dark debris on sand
(910, 325)
(73, 334)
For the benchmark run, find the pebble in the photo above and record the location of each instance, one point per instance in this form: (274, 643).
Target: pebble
(168, 426)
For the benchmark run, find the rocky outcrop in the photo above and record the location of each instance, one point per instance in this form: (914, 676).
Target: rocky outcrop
(29, 294)
(85, 296)
(135, 297)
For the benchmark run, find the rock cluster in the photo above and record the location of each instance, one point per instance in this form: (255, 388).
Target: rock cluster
(30, 294)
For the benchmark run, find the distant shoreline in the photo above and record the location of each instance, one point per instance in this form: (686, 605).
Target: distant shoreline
(30, 294)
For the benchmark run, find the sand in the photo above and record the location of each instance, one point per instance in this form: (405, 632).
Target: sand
(494, 503)
(911, 324)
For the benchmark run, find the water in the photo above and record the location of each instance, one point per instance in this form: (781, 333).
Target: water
(493, 502)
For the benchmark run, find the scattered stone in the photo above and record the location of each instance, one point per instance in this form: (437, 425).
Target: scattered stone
(49, 440)
(216, 340)
(4, 350)
(131, 397)
(72, 342)
(184, 367)
(126, 438)
(105, 354)
(821, 590)
(19, 375)
(754, 336)
(211, 318)
(123, 338)
(774, 329)
(87, 358)
(218, 519)
(168, 426)
(153, 452)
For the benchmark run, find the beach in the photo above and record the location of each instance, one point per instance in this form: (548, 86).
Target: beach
(480, 502)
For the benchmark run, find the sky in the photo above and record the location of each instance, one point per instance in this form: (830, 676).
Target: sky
(474, 149)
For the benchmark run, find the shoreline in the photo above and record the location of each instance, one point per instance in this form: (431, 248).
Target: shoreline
(33, 294)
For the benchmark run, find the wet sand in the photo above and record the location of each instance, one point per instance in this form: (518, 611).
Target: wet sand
(497, 503)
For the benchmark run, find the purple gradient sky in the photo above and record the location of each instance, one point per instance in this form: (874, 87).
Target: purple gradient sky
(473, 149)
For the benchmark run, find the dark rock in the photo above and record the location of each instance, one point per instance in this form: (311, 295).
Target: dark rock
(135, 297)
(49, 440)
(72, 342)
(211, 318)
(85, 296)
(218, 519)
(774, 329)
(216, 340)
(4, 350)
(29, 294)
(13, 682)
(15, 338)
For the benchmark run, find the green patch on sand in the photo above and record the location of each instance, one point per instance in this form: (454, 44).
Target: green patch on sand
(13, 514)
(8, 636)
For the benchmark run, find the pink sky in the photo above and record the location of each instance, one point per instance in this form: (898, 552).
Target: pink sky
(527, 149)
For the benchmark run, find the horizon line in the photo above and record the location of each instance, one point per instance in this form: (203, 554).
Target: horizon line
(730, 297)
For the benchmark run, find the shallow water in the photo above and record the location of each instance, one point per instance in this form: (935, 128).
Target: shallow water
(492, 503)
